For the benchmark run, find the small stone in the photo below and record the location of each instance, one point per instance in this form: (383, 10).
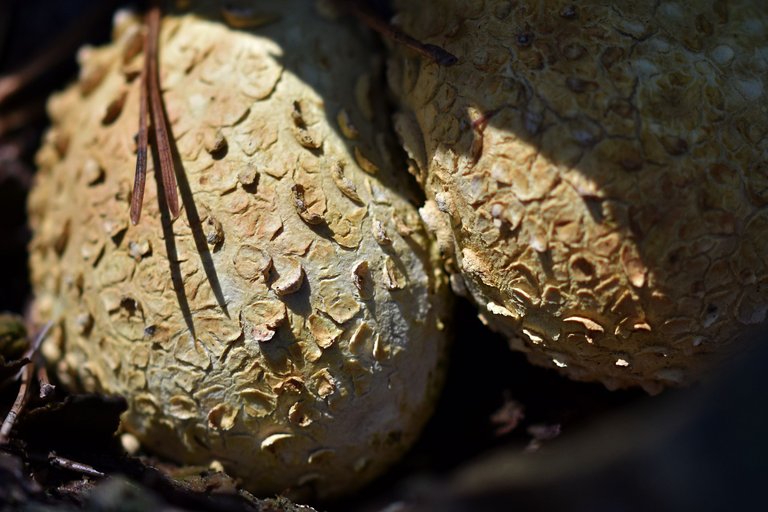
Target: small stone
(130, 443)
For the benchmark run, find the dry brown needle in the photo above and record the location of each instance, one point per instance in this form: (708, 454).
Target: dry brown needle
(150, 96)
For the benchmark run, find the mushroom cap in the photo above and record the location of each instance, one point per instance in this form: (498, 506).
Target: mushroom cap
(596, 175)
(288, 323)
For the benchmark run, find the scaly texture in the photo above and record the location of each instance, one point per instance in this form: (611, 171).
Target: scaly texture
(596, 174)
(288, 323)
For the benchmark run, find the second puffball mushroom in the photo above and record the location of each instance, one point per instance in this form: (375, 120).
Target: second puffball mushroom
(596, 175)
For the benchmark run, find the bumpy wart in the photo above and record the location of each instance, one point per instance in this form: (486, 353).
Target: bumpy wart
(288, 323)
(596, 174)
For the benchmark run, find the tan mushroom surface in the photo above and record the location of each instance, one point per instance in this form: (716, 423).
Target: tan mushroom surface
(597, 175)
(289, 323)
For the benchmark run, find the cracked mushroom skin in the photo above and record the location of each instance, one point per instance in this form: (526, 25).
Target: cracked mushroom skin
(596, 175)
(288, 323)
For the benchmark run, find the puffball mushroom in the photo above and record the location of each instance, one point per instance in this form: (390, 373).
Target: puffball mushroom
(288, 323)
(596, 175)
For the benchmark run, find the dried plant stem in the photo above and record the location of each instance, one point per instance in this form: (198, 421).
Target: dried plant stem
(26, 377)
(430, 51)
(71, 465)
(18, 405)
(46, 388)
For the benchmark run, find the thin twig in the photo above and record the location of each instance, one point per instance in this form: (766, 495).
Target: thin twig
(32, 350)
(46, 388)
(26, 377)
(18, 405)
(159, 122)
(71, 465)
(17, 365)
(433, 52)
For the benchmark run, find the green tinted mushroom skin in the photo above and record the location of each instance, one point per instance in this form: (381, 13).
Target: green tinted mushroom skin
(596, 175)
(288, 323)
